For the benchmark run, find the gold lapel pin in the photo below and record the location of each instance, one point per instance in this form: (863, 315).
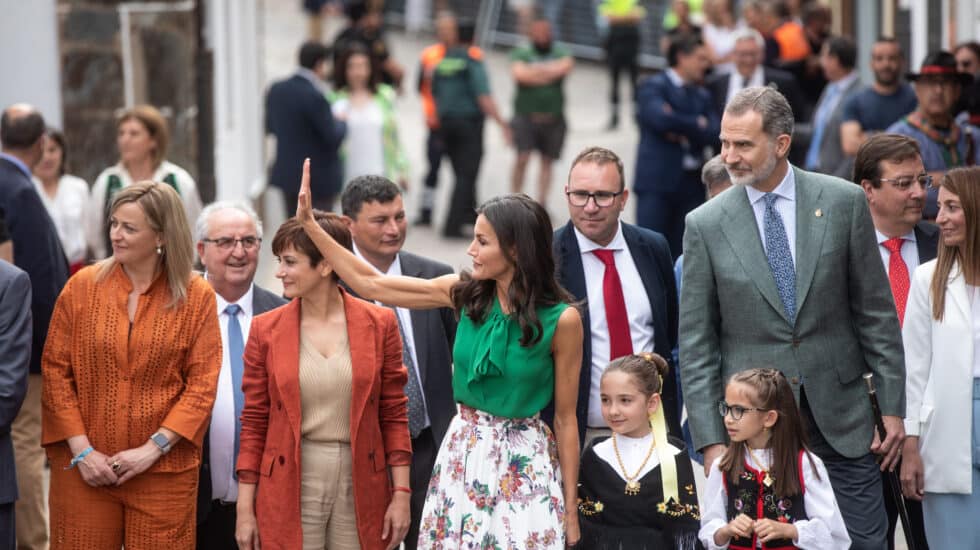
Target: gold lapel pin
(818, 213)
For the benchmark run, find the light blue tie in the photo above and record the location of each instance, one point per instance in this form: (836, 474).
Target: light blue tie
(236, 349)
(819, 125)
(780, 259)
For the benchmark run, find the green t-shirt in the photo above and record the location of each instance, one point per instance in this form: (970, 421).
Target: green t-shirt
(456, 83)
(548, 98)
(494, 373)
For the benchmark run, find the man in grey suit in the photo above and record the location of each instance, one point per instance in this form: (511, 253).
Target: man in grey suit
(821, 137)
(229, 236)
(375, 213)
(782, 271)
(15, 359)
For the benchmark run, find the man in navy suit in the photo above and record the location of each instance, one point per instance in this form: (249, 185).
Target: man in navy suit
(889, 168)
(298, 114)
(375, 213)
(594, 253)
(229, 236)
(15, 359)
(37, 250)
(678, 130)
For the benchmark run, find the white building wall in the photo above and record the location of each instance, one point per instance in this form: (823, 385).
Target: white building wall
(29, 59)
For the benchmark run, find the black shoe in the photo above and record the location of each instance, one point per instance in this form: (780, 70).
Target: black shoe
(425, 218)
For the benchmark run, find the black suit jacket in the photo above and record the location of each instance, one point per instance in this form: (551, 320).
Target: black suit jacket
(262, 301)
(434, 331)
(15, 356)
(652, 258)
(37, 250)
(299, 115)
(784, 81)
(926, 241)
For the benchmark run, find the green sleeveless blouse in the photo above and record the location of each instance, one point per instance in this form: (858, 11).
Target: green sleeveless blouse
(494, 373)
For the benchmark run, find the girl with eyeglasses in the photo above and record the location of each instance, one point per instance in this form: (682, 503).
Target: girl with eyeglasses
(636, 488)
(768, 487)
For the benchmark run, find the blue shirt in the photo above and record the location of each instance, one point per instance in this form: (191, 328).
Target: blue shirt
(875, 112)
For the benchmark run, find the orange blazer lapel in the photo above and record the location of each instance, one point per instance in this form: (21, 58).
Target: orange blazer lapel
(284, 362)
(364, 365)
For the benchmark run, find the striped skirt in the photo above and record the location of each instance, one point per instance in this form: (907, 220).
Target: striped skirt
(496, 484)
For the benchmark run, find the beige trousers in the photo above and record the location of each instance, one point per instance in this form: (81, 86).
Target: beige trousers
(31, 509)
(327, 497)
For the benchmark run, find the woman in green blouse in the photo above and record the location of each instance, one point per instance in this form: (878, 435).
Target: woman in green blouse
(497, 479)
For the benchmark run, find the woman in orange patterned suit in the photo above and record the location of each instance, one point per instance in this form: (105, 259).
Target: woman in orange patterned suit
(130, 371)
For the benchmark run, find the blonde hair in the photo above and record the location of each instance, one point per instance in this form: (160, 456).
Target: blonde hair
(965, 184)
(165, 215)
(154, 122)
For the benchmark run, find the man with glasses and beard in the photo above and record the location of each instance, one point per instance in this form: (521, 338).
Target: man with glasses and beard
(783, 270)
(878, 106)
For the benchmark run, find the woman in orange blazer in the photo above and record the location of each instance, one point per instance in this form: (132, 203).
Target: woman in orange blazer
(323, 434)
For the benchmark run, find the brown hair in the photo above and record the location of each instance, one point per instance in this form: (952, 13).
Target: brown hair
(524, 233)
(879, 148)
(646, 369)
(155, 124)
(292, 234)
(340, 68)
(773, 393)
(965, 184)
(165, 215)
(600, 156)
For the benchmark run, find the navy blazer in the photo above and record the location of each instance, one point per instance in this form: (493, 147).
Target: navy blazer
(665, 113)
(15, 356)
(299, 115)
(926, 241)
(37, 249)
(262, 301)
(653, 261)
(782, 80)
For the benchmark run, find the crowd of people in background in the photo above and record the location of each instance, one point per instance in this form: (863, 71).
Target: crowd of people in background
(555, 393)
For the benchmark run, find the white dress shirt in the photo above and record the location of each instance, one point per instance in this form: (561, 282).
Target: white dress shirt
(637, 310)
(910, 251)
(736, 82)
(785, 205)
(824, 530)
(633, 451)
(224, 486)
(405, 319)
(68, 211)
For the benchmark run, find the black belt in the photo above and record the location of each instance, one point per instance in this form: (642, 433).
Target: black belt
(218, 503)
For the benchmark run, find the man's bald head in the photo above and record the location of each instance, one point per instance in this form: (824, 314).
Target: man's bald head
(21, 127)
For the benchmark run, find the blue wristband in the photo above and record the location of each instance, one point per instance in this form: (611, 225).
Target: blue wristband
(80, 457)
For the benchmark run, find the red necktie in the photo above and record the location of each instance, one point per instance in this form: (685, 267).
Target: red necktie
(898, 276)
(620, 341)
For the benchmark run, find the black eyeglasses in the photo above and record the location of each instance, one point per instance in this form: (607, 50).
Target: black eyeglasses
(737, 411)
(602, 199)
(227, 243)
(903, 184)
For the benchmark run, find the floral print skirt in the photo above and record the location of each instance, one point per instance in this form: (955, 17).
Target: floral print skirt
(495, 485)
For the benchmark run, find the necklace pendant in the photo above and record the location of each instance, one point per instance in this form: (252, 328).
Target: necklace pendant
(767, 480)
(632, 488)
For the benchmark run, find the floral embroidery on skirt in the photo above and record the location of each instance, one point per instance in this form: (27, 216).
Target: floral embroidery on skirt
(495, 485)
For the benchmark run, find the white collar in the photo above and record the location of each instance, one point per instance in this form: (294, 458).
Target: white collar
(245, 302)
(785, 190)
(843, 83)
(675, 78)
(395, 269)
(587, 245)
(910, 236)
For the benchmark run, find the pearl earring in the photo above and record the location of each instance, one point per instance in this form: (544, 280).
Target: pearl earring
(159, 251)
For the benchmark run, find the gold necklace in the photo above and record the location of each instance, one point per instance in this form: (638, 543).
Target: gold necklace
(632, 485)
(767, 479)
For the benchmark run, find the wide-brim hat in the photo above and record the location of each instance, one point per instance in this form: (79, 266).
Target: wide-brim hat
(941, 63)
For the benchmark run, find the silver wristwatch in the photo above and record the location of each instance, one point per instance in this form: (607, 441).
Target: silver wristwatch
(161, 441)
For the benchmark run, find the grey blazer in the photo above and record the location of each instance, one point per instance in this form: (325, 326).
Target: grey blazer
(833, 161)
(731, 317)
(15, 359)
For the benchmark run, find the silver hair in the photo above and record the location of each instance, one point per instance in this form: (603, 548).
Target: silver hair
(714, 173)
(203, 227)
(777, 115)
(748, 33)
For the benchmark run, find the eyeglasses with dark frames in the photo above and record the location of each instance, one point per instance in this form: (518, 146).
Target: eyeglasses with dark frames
(905, 183)
(227, 243)
(737, 411)
(602, 199)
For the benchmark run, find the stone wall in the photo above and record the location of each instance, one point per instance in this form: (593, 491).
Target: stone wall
(159, 67)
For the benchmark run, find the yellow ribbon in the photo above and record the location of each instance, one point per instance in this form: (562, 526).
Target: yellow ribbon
(668, 467)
